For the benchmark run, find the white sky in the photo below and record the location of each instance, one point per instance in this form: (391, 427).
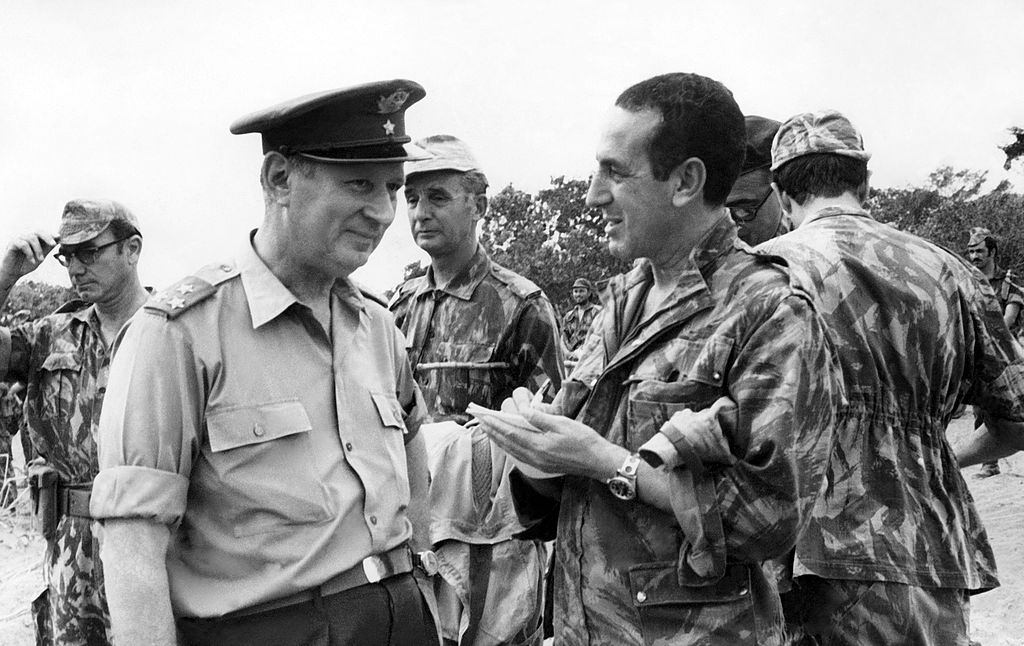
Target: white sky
(131, 99)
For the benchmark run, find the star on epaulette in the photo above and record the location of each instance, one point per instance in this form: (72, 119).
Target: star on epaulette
(176, 303)
(185, 288)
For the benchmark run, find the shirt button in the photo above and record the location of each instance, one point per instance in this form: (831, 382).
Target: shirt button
(348, 446)
(225, 268)
(717, 375)
(641, 597)
(373, 520)
(258, 431)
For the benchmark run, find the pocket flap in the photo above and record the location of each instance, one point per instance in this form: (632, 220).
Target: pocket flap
(244, 425)
(62, 361)
(389, 409)
(654, 584)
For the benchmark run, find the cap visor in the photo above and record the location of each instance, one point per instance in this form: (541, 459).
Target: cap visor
(412, 153)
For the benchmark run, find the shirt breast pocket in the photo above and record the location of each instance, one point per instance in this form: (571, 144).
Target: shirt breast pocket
(390, 412)
(687, 373)
(262, 457)
(59, 385)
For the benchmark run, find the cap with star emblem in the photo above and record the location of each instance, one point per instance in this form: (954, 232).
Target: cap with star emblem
(364, 123)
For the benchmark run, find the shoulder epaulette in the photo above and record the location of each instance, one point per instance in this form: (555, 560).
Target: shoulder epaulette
(188, 291)
(520, 286)
(73, 305)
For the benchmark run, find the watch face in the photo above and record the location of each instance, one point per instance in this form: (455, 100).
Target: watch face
(621, 488)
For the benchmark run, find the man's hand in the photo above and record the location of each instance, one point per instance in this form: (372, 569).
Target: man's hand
(557, 445)
(24, 254)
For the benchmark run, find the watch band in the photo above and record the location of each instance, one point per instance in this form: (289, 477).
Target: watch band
(623, 484)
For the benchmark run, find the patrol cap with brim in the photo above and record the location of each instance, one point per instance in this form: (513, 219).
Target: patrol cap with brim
(84, 220)
(364, 123)
(583, 282)
(760, 134)
(825, 131)
(977, 235)
(446, 153)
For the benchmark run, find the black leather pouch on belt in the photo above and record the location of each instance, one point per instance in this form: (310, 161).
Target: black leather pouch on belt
(42, 482)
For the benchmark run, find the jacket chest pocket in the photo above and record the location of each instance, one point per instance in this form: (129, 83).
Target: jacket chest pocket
(60, 384)
(262, 459)
(685, 373)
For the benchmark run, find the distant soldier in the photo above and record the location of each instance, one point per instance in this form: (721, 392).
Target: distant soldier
(64, 360)
(983, 252)
(577, 321)
(476, 331)
(752, 203)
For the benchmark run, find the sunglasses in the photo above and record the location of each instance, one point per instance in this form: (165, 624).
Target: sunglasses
(86, 256)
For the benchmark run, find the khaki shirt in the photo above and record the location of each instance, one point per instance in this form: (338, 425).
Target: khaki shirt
(276, 455)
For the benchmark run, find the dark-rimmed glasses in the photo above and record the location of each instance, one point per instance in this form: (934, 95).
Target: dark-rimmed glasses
(746, 213)
(86, 256)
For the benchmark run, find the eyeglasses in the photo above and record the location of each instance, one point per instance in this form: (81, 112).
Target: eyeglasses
(744, 212)
(85, 256)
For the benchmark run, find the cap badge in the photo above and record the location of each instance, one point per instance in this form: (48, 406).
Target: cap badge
(389, 128)
(393, 103)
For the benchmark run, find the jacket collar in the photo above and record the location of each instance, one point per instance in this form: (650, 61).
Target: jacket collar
(465, 283)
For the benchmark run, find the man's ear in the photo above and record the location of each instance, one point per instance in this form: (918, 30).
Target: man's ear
(784, 199)
(864, 190)
(274, 177)
(133, 246)
(480, 201)
(688, 180)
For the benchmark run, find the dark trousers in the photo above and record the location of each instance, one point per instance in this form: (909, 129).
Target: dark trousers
(389, 613)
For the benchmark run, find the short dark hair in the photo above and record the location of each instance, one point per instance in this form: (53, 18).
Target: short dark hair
(700, 119)
(820, 175)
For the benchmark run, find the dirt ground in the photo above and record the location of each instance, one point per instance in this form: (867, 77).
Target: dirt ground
(997, 617)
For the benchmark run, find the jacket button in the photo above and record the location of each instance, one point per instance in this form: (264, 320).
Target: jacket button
(743, 592)
(258, 431)
(348, 446)
(641, 596)
(373, 520)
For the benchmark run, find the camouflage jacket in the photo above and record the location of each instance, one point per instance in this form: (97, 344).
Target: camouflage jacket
(487, 314)
(918, 332)
(736, 327)
(64, 364)
(576, 323)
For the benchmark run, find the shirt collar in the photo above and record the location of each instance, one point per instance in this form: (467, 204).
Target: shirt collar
(87, 315)
(831, 211)
(465, 283)
(267, 296)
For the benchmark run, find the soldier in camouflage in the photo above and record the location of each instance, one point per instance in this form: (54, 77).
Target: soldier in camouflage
(577, 320)
(673, 555)
(753, 205)
(895, 544)
(476, 331)
(982, 251)
(64, 359)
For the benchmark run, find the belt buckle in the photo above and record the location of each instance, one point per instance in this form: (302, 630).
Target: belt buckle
(374, 568)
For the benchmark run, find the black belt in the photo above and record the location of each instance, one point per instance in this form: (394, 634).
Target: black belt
(371, 570)
(73, 500)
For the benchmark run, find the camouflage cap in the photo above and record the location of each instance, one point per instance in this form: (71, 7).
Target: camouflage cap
(84, 220)
(583, 282)
(449, 153)
(978, 236)
(825, 131)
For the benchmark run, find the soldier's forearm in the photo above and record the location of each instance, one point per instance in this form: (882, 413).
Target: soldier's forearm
(134, 553)
(995, 439)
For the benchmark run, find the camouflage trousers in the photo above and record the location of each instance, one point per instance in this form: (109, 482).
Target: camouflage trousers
(832, 612)
(73, 609)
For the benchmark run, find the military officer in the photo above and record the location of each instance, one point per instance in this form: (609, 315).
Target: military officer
(576, 322)
(262, 477)
(476, 331)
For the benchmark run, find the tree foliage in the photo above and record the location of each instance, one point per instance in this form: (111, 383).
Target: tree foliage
(552, 238)
(39, 299)
(953, 201)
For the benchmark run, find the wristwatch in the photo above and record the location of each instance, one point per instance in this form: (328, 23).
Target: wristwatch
(623, 483)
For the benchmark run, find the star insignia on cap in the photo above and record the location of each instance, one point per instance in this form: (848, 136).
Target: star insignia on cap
(393, 103)
(186, 288)
(389, 128)
(176, 303)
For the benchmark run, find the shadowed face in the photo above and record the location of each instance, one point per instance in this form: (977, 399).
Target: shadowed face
(981, 257)
(754, 207)
(109, 269)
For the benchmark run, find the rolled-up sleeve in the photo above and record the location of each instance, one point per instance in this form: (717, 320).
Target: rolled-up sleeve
(787, 386)
(150, 425)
